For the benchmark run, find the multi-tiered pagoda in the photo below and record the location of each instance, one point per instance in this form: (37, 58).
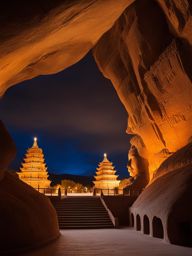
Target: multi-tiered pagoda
(105, 175)
(34, 170)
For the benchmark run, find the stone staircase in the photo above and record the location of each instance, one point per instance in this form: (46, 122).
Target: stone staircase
(81, 213)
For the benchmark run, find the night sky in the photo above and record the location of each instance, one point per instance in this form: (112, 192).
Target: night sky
(76, 115)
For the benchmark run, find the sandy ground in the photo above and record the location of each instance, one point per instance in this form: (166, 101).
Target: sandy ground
(109, 242)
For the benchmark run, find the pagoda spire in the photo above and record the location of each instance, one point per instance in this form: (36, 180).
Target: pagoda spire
(105, 157)
(35, 145)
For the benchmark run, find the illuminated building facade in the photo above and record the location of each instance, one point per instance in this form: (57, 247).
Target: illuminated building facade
(105, 175)
(34, 170)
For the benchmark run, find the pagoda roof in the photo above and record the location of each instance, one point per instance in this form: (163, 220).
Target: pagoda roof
(34, 154)
(105, 164)
(34, 159)
(105, 178)
(105, 181)
(32, 164)
(32, 168)
(36, 149)
(32, 179)
(107, 172)
(106, 169)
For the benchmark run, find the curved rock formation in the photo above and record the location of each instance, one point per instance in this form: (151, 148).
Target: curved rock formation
(43, 37)
(7, 150)
(40, 37)
(168, 199)
(27, 218)
(147, 54)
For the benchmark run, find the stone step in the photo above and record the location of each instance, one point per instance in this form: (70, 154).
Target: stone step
(79, 209)
(87, 227)
(83, 219)
(82, 213)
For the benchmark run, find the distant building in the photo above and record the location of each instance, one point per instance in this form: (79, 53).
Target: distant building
(105, 175)
(34, 170)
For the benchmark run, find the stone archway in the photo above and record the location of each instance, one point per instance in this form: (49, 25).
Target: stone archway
(146, 225)
(132, 220)
(157, 228)
(138, 223)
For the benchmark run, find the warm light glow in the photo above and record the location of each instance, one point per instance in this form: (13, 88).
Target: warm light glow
(33, 170)
(106, 177)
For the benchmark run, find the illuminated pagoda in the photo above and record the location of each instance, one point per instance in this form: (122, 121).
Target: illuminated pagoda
(105, 175)
(34, 170)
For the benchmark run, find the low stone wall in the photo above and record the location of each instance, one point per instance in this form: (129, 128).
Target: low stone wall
(119, 206)
(164, 208)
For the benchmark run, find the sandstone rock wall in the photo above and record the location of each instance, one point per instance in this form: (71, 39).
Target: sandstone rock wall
(27, 218)
(43, 37)
(168, 200)
(7, 150)
(147, 56)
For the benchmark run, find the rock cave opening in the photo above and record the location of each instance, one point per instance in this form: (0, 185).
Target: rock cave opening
(132, 220)
(82, 111)
(138, 223)
(185, 233)
(144, 48)
(157, 227)
(146, 225)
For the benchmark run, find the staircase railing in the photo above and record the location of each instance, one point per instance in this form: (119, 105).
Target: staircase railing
(114, 219)
(61, 192)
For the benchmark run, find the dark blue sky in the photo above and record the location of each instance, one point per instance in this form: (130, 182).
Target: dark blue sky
(76, 116)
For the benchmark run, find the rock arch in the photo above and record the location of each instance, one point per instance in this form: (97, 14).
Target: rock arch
(132, 220)
(157, 227)
(146, 225)
(138, 223)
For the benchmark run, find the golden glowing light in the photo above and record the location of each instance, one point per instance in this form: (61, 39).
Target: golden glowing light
(106, 177)
(33, 170)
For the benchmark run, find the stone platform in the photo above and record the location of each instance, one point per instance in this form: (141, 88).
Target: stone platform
(109, 242)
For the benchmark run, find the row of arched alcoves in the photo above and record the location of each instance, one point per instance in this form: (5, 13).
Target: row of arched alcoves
(155, 229)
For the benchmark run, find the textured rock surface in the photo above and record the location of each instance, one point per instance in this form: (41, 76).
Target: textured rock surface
(168, 198)
(147, 56)
(27, 218)
(7, 150)
(43, 37)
